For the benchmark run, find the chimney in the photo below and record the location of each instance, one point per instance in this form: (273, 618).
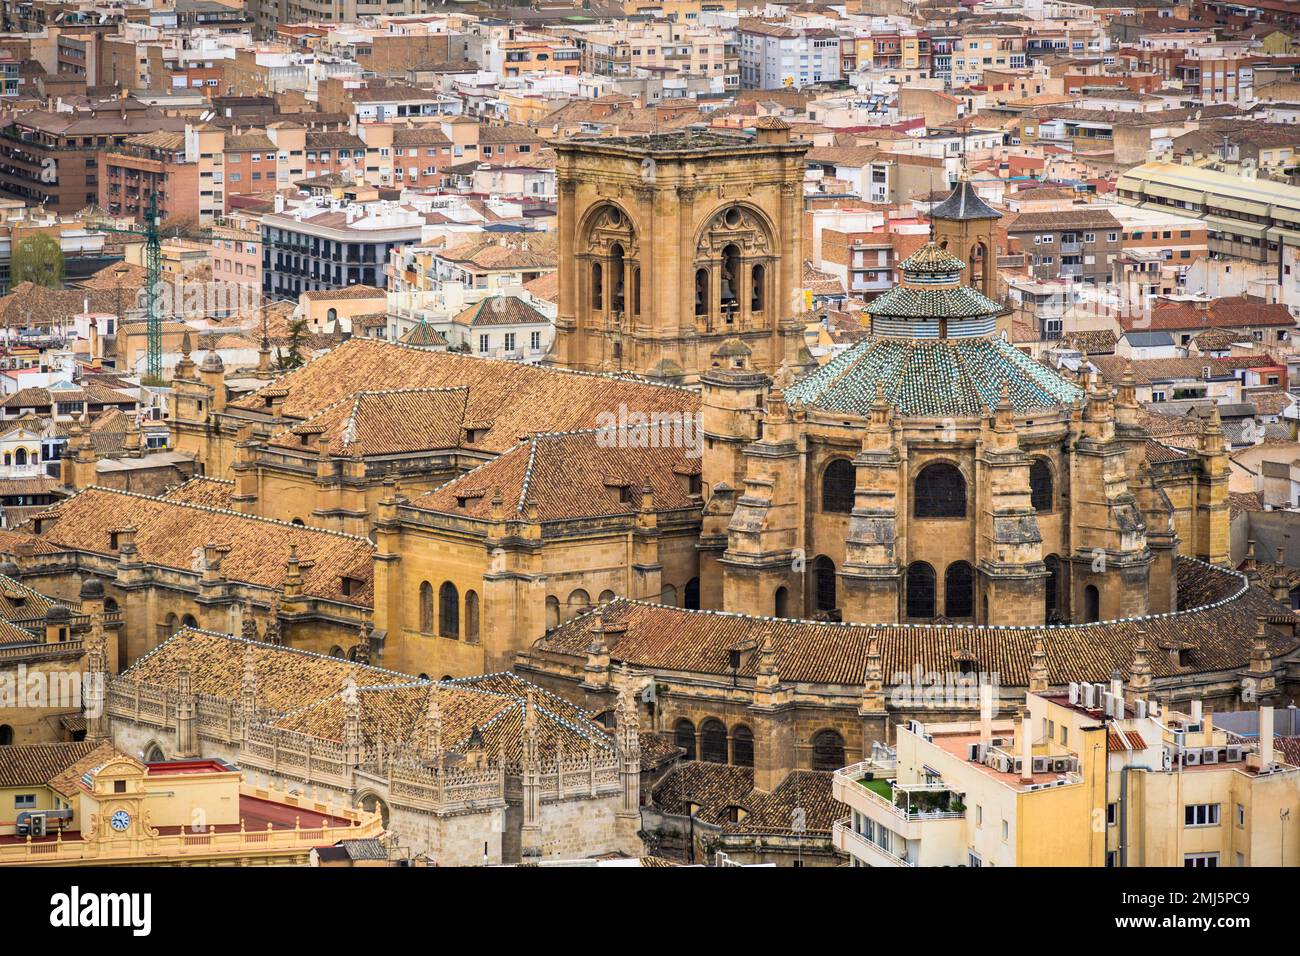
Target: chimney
(986, 713)
(1196, 711)
(1026, 748)
(1265, 738)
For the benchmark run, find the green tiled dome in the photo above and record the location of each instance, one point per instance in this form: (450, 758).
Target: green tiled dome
(932, 378)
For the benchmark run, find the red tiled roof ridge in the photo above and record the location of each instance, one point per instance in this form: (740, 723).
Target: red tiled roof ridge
(557, 370)
(53, 511)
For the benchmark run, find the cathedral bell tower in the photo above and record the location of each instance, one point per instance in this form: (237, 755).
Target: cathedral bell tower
(671, 244)
(966, 226)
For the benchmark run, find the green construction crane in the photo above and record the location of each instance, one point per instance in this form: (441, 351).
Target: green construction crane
(153, 289)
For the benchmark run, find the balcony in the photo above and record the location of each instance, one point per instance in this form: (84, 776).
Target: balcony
(847, 840)
(908, 810)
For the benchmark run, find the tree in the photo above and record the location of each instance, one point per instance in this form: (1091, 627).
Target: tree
(297, 334)
(37, 258)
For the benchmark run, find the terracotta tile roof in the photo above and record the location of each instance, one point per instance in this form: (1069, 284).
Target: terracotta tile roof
(34, 765)
(493, 704)
(1158, 452)
(210, 492)
(545, 287)
(423, 335)
(1221, 313)
(500, 310)
(571, 475)
(510, 398)
(287, 678)
(168, 532)
(806, 790)
(122, 275)
(1218, 623)
(386, 423)
(68, 783)
(658, 749)
(1092, 341)
(536, 250)
(1239, 502)
(1115, 741)
(348, 292)
(711, 786)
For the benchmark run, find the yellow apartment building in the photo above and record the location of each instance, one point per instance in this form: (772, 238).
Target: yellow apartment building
(1087, 778)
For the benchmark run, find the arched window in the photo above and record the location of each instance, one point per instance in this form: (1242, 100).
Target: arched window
(1052, 587)
(684, 737)
(742, 746)
(597, 286)
(552, 612)
(20, 456)
(701, 291)
(1040, 485)
(426, 607)
(110, 604)
(1091, 604)
(172, 624)
(919, 590)
(828, 751)
(838, 481)
(189, 621)
(9, 459)
(606, 596)
(756, 289)
(959, 591)
(471, 617)
(668, 596)
(448, 610)
(781, 603)
(579, 601)
(6, 735)
(713, 741)
(332, 315)
(299, 522)
(636, 290)
(940, 492)
(730, 278)
(824, 583)
(692, 594)
(616, 275)
(154, 754)
(337, 651)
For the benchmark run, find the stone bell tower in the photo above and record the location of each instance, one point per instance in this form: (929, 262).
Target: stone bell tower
(672, 243)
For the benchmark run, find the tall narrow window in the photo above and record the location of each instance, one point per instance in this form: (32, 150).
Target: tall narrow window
(919, 586)
(701, 291)
(471, 617)
(838, 483)
(597, 286)
(426, 608)
(1091, 604)
(713, 741)
(757, 275)
(959, 591)
(636, 290)
(742, 746)
(684, 737)
(616, 275)
(824, 583)
(728, 297)
(1052, 588)
(448, 610)
(1040, 485)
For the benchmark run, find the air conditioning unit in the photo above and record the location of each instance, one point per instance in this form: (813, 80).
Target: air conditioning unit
(36, 824)
(1167, 760)
(1041, 764)
(1062, 765)
(998, 742)
(1191, 758)
(975, 752)
(1192, 728)
(1209, 755)
(1017, 764)
(999, 762)
(1233, 754)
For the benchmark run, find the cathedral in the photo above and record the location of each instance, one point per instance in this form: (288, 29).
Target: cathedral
(929, 472)
(671, 244)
